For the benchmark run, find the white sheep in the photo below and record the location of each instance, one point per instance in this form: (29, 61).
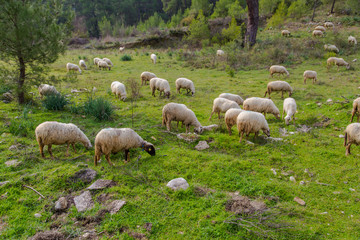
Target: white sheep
(277, 86)
(289, 108)
(308, 74)
(278, 69)
(329, 25)
(317, 33)
(352, 136)
(251, 122)
(230, 118)
(160, 84)
(56, 133)
(46, 89)
(186, 84)
(102, 65)
(232, 97)
(180, 113)
(72, 67)
(320, 28)
(221, 105)
(82, 64)
(146, 76)
(337, 61)
(285, 33)
(261, 105)
(153, 58)
(331, 48)
(121, 49)
(356, 109)
(352, 40)
(220, 53)
(96, 60)
(108, 61)
(113, 140)
(119, 90)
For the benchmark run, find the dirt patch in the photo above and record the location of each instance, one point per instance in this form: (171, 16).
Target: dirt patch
(324, 123)
(304, 129)
(103, 198)
(48, 235)
(243, 205)
(137, 235)
(202, 191)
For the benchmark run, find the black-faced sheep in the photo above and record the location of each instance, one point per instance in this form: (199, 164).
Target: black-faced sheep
(251, 122)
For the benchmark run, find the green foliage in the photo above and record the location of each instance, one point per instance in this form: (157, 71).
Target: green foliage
(279, 17)
(105, 27)
(154, 21)
(171, 7)
(199, 28)
(125, 57)
(298, 9)
(175, 20)
(354, 5)
(201, 5)
(237, 11)
(230, 71)
(267, 7)
(232, 32)
(55, 102)
(23, 125)
(224, 8)
(99, 108)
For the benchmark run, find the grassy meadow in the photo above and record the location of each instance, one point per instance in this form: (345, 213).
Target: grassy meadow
(332, 209)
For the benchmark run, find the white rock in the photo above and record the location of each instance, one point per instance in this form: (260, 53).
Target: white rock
(351, 189)
(302, 183)
(341, 136)
(13, 163)
(324, 213)
(354, 60)
(250, 143)
(83, 202)
(37, 215)
(3, 183)
(202, 145)
(329, 100)
(177, 184)
(61, 204)
(299, 201)
(115, 206)
(273, 170)
(101, 184)
(292, 179)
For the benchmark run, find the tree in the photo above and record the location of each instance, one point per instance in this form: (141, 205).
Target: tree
(253, 21)
(32, 36)
(332, 7)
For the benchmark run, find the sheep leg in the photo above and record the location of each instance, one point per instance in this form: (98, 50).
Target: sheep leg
(73, 145)
(41, 146)
(108, 159)
(187, 128)
(294, 118)
(67, 150)
(96, 158)
(219, 115)
(229, 129)
(211, 115)
(305, 80)
(352, 116)
(168, 125)
(282, 115)
(265, 93)
(241, 136)
(50, 151)
(153, 92)
(255, 136)
(358, 117)
(265, 114)
(127, 156)
(348, 149)
(282, 94)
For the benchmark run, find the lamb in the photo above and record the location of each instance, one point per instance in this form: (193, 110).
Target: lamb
(251, 122)
(96, 60)
(113, 140)
(261, 105)
(186, 84)
(230, 118)
(45, 90)
(232, 97)
(285, 33)
(278, 69)
(180, 113)
(146, 76)
(121, 49)
(221, 105)
(82, 64)
(352, 40)
(118, 89)
(317, 33)
(153, 58)
(308, 74)
(331, 48)
(108, 61)
(102, 65)
(356, 109)
(72, 67)
(49, 133)
(220, 53)
(277, 86)
(337, 61)
(289, 108)
(329, 25)
(160, 84)
(352, 135)
(320, 28)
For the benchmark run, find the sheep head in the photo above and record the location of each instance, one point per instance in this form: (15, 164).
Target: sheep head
(287, 120)
(198, 130)
(167, 94)
(149, 148)
(267, 132)
(347, 66)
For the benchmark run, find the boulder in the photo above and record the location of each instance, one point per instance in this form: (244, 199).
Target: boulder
(202, 145)
(101, 184)
(177, 184)
(83, 202)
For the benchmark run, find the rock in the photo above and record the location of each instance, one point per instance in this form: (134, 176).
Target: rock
(13, 163)
(37, 215)
(101, 184)
(52, 234)
(86, 235)
(273, 170)
(292, 179)
(148, 226)
(177, 184)
(243, 205)
(202, 145)
(319, 104)
(354, 60)
(190, 137)
(85, 175)
(274, 139)
(299, 201)
(3, 183)
(61, 204)
(302, 183)
(83, 202)
(336, 192)
(329, 100)
(341, 136)
(115, 206)
(248, 142)
(283, 132)
(82, 165)
(291, 133)
(13, 147)
(210, 127)
(304, 129)
(324, 213)
(8, 97)
(351, 189)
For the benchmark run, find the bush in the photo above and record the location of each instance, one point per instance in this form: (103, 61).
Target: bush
(99, 108)
(199, 29)
(22, 126)
(126, 57)
(279, 17)
(55, 102)
(232, 32)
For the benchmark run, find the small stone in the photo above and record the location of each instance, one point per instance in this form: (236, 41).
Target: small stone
(354, 60)
(190, 137)
(248, 142)
(336, 192)
(83, 202)
(37, 215)
(115, 206)
(86, 235)
(273, 170)
(13, 147)
(274, 139)
(302, 183)
(345, 182)
(351, 189)
(210, 127)
(291, 133)
(13, 163)
(177, 184)
(319, 104)
(101, 184)
(299, 201)
(3, 183)
(329, 100)
(306, 170)
(341, 136)
(202, 145)
(61, 204)
(292, 179)
(324, 213)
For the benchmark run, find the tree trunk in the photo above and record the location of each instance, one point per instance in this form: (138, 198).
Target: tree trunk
(312, 18)
(253, 21)
(21, 93)
(332, 7)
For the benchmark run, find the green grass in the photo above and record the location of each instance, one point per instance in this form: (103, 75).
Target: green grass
(227, 166)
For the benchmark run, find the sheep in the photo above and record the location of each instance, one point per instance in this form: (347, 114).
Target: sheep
(308, 74)
(285, 33)
(289, 108)
(329, 25)
(108, 61)
(146, 76)
(186, 84)
(82, 64)
(352, 135)
(320, 28)
(180, 113)
(356, 109)
(119, 90)
(278, 69)
(352, 40)
(230, 118)
(160, 84)
(72, 67)
(49, 133)
(96, 60)
(45, 90)
(121, 49)
(153, 58)
(261, 105)
(102, 65)
(337, 61)
(251, 122)
(220, 53)
(317, 33)
(331, 48)
(232, 97)
(221, 105)
(113, 140)
(276, 86)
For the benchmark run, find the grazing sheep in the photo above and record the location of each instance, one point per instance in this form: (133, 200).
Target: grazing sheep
(261, 105)
(146, 76)
(230, 118)
(56, 133)
(160, 84)
(329, 25)
(289, 108)
(153, 58)
(331, 48)
(308, 74)
(251, 122)
(180, 113)
(82, 64)
(113, 140)
(277, 86)
(317, 33)
(118, 89)
(121, 49)
(221, 105)
(352, 40)
(96, 60)
(352, 135)
(220, 53)
(278, 69)
(72, 67)
(108, 61)
(232, 97)
(46, 89)
(102, 65)
(186, 84)
(337, 61)
(356, 109)
(320, 28)
(285, 33)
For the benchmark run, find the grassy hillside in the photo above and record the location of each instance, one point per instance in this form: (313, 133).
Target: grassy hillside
(331, 212)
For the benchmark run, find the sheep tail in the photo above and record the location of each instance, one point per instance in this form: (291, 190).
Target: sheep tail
(345, 139)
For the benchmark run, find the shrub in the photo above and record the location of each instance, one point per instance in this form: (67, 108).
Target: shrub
(279, 17)
(126, 57)
(199, 28)
(232, 32)
(22, 126)
(55, 102)
(99, 108)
